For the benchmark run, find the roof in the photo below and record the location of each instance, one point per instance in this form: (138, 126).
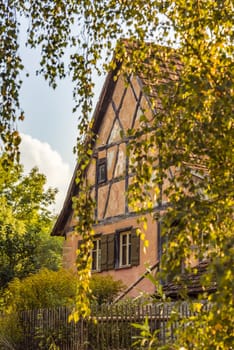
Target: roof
(190, 282)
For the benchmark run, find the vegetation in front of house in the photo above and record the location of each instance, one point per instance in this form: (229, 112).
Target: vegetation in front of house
(45, 289)
(48, 289)
(105, 289)
(31, 276)
(43, 293)
(126, 325)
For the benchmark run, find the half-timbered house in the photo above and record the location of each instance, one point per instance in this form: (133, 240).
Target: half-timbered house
(117, 249)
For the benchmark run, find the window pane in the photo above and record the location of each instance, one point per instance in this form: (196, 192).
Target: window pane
(124, 255)
(94, 260)
(101, 170)
(95, 245)
(125, 248)
(129, 238)
(124, 239)
(96, 255)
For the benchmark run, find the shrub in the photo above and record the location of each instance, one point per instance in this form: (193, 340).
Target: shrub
(10, 332)
(105, 289)
(46, 289)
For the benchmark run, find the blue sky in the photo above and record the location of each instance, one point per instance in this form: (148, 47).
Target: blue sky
(49, 115)
(48, 132)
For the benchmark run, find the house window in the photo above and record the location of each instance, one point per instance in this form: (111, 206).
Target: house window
(96, 255)
(101, 170)
(125, 248)
(120, 249)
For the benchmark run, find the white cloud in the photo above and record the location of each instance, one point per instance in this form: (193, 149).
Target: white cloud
(49, 162)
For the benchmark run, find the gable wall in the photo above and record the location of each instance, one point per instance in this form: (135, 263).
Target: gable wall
(112, 212)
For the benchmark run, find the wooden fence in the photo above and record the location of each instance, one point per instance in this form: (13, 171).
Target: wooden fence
(108, 328)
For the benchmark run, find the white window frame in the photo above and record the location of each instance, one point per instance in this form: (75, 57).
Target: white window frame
(97, 256)
(125, 246)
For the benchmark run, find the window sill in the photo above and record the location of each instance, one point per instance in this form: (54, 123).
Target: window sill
(123, 267)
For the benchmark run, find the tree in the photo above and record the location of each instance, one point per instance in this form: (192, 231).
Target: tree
(25, 223)
(194, 129)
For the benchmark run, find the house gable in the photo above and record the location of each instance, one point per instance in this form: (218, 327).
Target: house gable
(120, 108)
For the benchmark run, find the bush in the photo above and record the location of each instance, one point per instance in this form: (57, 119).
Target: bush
(49, 289)
(46, 289)
(10, 332)
(105, 289)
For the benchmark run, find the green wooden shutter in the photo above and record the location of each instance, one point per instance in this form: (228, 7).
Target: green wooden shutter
(107, 252)
(135, 248)
(117, 249)
(104, 256)
(111, 252)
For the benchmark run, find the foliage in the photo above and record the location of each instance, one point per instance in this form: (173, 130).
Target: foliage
(10, 332)
(45, 289)
(48, 289)
(146, 339)
(84, 227)
(219, 330)
(104, 288)
(25, 223)
(192, 131)
(49, 251)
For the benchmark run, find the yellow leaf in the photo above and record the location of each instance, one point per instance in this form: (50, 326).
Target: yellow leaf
(197, 307)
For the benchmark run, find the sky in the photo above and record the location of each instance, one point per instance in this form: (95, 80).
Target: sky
(49, 130)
